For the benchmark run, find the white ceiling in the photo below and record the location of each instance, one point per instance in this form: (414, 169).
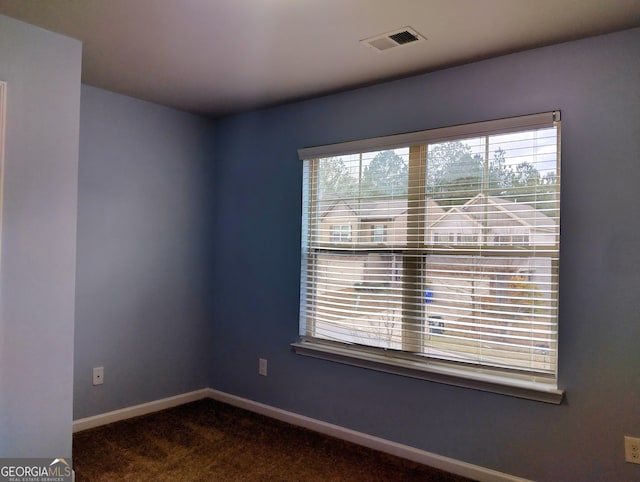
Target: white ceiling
(222, 56)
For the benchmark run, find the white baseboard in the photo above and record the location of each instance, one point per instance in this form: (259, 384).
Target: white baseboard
(137, 410)
(454, 466)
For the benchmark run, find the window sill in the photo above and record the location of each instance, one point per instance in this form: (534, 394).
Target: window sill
(441, 372)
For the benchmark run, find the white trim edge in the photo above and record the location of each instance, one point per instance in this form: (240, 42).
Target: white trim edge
(137, 410)
(447, 464)
(3, 123)
(453, 466)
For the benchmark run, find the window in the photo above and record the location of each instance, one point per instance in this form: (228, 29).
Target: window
(453, 295)
(378, 233)
(521, 239)
(340, 233)
(468, 239)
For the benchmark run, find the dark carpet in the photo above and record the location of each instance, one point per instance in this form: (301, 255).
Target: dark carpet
(212, 441)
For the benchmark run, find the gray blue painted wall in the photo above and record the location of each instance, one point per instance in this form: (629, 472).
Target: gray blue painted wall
(37, 283)
(596, 84)
(143, 243)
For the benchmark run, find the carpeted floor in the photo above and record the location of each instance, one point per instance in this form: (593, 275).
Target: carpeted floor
(212, 441)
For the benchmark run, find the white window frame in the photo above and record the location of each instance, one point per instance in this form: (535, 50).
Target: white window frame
(524, 385)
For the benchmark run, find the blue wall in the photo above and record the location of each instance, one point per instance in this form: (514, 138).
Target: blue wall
(142, 250)
(255, 291)
(37, 286)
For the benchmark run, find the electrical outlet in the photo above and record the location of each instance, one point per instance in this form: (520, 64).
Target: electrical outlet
(262, 367)
(632, 449)
(98, 375)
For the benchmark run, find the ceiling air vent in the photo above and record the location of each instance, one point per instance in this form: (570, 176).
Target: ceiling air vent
(396, 38)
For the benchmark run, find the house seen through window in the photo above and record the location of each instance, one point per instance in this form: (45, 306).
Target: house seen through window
(440, 250)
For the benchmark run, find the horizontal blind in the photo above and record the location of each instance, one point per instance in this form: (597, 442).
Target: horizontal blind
(445, 250)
